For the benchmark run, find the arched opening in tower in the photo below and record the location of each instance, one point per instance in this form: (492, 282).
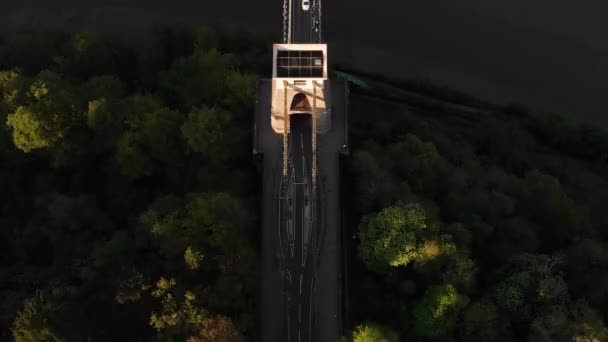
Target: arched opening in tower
(300, 103)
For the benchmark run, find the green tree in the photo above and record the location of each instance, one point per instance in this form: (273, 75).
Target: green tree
(102, 87)
(513, 236)
(392, 237)
(206, 220)
(36, 321)
(102, 94)
(587, 271)
(439, 259)
(52, 109)
(589, 326)
(29, 132)
(461, 271)
(195, 80)
(131, 287)
(217, 329)
(544, 202)
(594, 141)
(176, 318)
(208, 131)
(574, 322)
(193, 258)
(99, 114)
(205, 233)
(152, 141)
(240, 96)
(420, 163)
(531, 283)
(482, 321)
(205, 39)
(376, 188)
(14, 87)
(505, 141)
(436, 314)
(108, 252)
(372, 332)
(552, 325)
(95, 54)
(512, 294)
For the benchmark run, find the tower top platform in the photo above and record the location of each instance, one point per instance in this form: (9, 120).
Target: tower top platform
(299, 61)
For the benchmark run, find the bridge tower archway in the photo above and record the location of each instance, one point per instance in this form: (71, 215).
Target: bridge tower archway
(300, 103)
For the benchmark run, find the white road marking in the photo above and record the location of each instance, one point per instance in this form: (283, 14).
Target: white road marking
(280, 236)
(301, 276)
(302, 239)
(312, 282)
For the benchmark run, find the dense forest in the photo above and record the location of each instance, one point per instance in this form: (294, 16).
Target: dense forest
(476, 227)
(129, 203)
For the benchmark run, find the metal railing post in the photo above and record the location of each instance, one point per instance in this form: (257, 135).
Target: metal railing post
(285, 128)
(314, 134)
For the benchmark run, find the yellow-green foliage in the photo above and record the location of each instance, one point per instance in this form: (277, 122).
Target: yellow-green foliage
(433, 248)
(201, 223)
(131, 288)
(151, 141)
(437, 312)
(13, 88)
(98, 114)
(576, 322)
(217, 329)
(33, 322)
(29, 132)
(207, 131)
(50, 111)
(392, 237)
(176, 317)
(193, 258)
(372, 332)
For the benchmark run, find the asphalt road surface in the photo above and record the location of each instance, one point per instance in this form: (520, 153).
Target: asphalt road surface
(300, 257)
(301, 23)
(297, 231)
(271, 284)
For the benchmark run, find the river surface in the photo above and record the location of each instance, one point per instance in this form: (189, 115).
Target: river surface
(548, 54)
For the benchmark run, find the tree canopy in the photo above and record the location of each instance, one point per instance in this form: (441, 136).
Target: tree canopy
(392, 237)
(370, 331)
(506, 243)
(126, 209)
(437, 312)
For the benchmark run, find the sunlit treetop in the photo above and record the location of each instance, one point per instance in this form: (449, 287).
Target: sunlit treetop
(52, 108)
(437, 312)
(392, 237)
(372, 332)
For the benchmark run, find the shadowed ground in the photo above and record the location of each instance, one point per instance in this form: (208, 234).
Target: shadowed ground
(549, 54)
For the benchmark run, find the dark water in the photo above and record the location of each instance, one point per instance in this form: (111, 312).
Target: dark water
(547, 54)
